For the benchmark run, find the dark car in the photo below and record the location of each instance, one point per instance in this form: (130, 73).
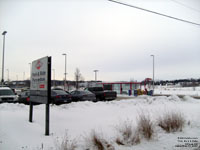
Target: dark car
(57, 97)
(24, 97)
(60, 97)
(102, 94)
(79, 95)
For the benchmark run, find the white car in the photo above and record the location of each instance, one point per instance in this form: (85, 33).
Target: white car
(7, 95)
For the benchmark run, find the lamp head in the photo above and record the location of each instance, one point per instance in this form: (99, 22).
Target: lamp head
(4, 33)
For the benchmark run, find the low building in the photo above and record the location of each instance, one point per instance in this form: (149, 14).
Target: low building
(128, 88)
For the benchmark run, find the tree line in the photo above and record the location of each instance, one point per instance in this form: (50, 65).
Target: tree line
(182, 82)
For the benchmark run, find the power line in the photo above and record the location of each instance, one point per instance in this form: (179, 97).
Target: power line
(186, 6)
(157, 13)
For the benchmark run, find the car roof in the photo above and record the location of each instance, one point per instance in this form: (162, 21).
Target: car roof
(80, 91)
(57, 91)
(5, 88)
(77, 90)
(57, 88)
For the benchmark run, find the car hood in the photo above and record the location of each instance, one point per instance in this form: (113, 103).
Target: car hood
(11, 96)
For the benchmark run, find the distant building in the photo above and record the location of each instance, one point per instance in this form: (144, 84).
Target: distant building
(127, 87)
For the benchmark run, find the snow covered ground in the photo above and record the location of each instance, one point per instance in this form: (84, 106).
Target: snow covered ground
(170, 90)
(79, 119)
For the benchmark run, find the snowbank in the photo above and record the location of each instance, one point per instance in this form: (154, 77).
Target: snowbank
(79, 119)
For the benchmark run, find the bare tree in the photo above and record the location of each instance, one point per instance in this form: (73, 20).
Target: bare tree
(78, 77)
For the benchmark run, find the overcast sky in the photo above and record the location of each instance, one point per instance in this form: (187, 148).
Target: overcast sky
(98, 34)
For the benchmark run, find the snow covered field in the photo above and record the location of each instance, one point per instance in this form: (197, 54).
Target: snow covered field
(79, 119)
(170, 90)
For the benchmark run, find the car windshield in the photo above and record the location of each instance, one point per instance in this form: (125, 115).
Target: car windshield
(96, 89)
(6, 92)
(60, 92)
(25, 93)
(85, 92)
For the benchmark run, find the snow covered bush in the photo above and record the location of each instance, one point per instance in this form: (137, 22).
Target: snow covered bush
(171, 122)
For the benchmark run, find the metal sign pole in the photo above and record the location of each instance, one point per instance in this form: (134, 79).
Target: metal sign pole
(47, 120)
(31, 112)
(47, 112)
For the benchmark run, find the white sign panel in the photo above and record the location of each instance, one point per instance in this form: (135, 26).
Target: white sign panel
(40, 80)
(39, 74)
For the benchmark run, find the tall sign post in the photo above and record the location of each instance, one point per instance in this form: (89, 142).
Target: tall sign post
(40, 90)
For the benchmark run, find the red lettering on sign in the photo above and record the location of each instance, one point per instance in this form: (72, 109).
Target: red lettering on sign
(42, 86)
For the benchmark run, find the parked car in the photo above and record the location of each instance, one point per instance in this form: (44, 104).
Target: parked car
(81, 95)
(57, 88)
(7, 95)
(57, 97)
(24, 97)
(102, 94)
(60, 97)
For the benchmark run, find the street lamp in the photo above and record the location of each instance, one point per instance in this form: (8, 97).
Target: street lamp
(65, 69)
(95, 71)
(153, 70)
(4, 33)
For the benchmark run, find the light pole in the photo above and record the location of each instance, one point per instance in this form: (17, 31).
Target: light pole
(95, 71)
(153, 71)
(65, 69)
(4, 33)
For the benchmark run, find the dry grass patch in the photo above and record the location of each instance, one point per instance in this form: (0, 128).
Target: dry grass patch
(145, 126)
(171, 122)
(66, 143)
(128, 135)
(97, 142)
